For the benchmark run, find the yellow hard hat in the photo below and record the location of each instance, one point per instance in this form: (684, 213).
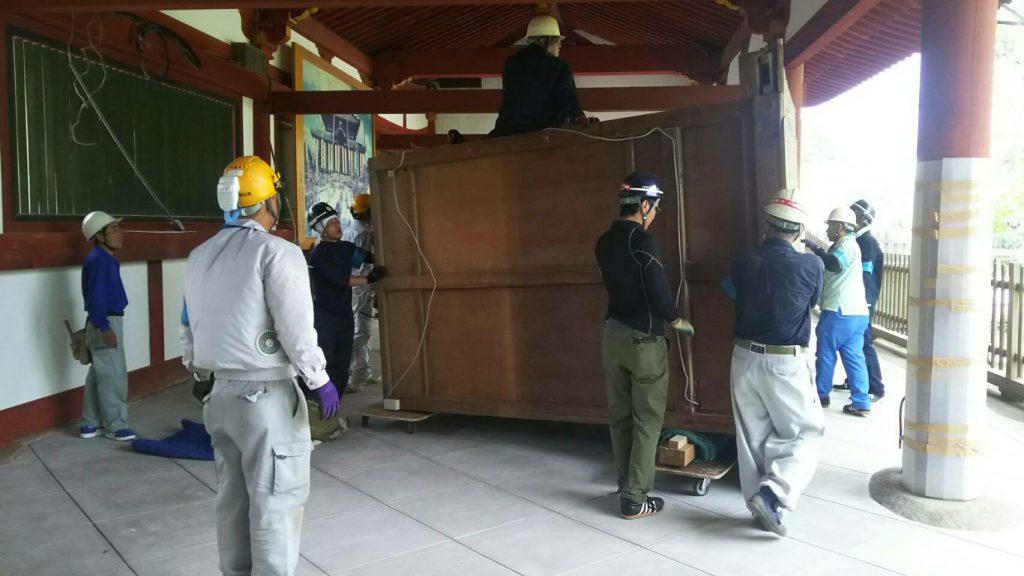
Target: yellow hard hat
(360, 203)
(256, 179)
(543, 25)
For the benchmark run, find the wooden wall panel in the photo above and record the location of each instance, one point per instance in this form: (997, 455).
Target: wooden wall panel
(509, 226)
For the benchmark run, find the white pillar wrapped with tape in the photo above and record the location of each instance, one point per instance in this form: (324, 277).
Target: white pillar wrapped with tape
(944, 422)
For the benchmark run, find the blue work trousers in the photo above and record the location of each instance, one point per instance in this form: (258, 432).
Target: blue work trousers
(842, 335)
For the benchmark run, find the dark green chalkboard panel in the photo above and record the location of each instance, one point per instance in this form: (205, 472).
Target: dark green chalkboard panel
(181, 139)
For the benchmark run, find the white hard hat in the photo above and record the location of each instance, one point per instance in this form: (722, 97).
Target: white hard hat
(543, 25)
(783, 209)
(95, 222)
(843, 214)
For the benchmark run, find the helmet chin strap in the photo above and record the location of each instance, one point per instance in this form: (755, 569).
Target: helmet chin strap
(275, 212)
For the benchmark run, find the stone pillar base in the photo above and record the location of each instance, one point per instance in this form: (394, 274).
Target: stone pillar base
(985, 513)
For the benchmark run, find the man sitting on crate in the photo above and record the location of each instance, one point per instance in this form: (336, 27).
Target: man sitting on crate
(778, 421)
(634, 350)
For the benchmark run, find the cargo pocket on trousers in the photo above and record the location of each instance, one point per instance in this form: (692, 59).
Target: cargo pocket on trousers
(291, 466)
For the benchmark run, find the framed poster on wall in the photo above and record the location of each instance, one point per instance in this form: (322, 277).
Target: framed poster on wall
(332, 151)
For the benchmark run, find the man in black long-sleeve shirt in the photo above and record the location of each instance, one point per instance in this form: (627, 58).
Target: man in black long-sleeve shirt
(538, 89)
(634, 350)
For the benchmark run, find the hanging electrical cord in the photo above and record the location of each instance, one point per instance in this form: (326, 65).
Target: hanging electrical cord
(902, 404)
(73, 127)
(142, 28)
(430, 300)
(273, 162)
(89, 97)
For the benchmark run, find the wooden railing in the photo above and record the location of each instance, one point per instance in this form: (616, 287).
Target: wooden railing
(1005, 352)
(1006, 322)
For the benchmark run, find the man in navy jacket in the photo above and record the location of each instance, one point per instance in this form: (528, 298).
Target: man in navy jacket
(873, 262)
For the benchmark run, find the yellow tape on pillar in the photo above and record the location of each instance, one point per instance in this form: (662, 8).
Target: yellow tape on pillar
(947, 186)
(939, 429)
(955, 305)
(939, 361)
(941, 233)
(962, 448)
(957, 216)
(956, 269)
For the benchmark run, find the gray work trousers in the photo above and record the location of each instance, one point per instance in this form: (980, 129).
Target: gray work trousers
(779, 423)
(362, 308)
(106, 386)
(261, 445)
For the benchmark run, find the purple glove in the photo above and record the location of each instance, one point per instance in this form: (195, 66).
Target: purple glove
(327, 397)
(812, 246)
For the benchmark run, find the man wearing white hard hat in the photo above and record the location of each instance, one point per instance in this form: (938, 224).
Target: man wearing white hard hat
(538, 89)
(105, 405)
(778, 422)
(844, 313)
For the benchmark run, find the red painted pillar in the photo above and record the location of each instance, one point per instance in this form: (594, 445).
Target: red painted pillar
(951, 251)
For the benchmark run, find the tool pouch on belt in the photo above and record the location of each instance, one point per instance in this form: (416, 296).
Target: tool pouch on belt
(79, 345)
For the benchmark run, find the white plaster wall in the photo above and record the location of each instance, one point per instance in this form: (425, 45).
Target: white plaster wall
(800, 12)
(34, 306)
(174, 288)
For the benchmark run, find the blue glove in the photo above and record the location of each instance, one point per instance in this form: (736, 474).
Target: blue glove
(327, 397)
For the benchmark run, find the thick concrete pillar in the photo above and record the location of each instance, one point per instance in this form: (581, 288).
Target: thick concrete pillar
(946, 371)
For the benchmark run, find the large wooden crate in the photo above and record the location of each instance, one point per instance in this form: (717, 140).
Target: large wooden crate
(507, 228)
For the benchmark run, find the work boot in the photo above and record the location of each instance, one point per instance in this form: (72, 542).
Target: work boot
(825, 401)
(633, 510)
(854, 411)
(765, 507)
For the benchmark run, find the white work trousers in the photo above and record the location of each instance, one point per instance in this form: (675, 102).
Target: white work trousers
(779, 423)
(362, 308)
(261, 444)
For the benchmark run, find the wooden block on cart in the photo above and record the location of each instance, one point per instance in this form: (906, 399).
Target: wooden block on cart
(676, 442)
(676, 458)
(689, 453)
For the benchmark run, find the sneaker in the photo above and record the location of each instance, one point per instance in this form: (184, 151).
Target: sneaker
(122, 435)
(633, 510)
(86, 431)
(843, 386)
(765, 507)
(854, 411)
(876, 397)
(825, 401)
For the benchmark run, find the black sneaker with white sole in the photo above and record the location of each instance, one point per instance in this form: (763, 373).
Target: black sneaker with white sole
(649, 507)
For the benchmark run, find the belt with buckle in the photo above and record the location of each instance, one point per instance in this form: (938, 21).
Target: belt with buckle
(768, 348)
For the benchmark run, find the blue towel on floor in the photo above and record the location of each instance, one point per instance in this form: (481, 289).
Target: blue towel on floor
(191, 442)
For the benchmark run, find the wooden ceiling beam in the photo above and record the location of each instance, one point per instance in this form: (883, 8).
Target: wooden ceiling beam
(330, 42)
(827, 24)
(484, 62)
(134, 5)
(488, 101)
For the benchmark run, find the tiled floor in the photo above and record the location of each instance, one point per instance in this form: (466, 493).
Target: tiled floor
(481, 497)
